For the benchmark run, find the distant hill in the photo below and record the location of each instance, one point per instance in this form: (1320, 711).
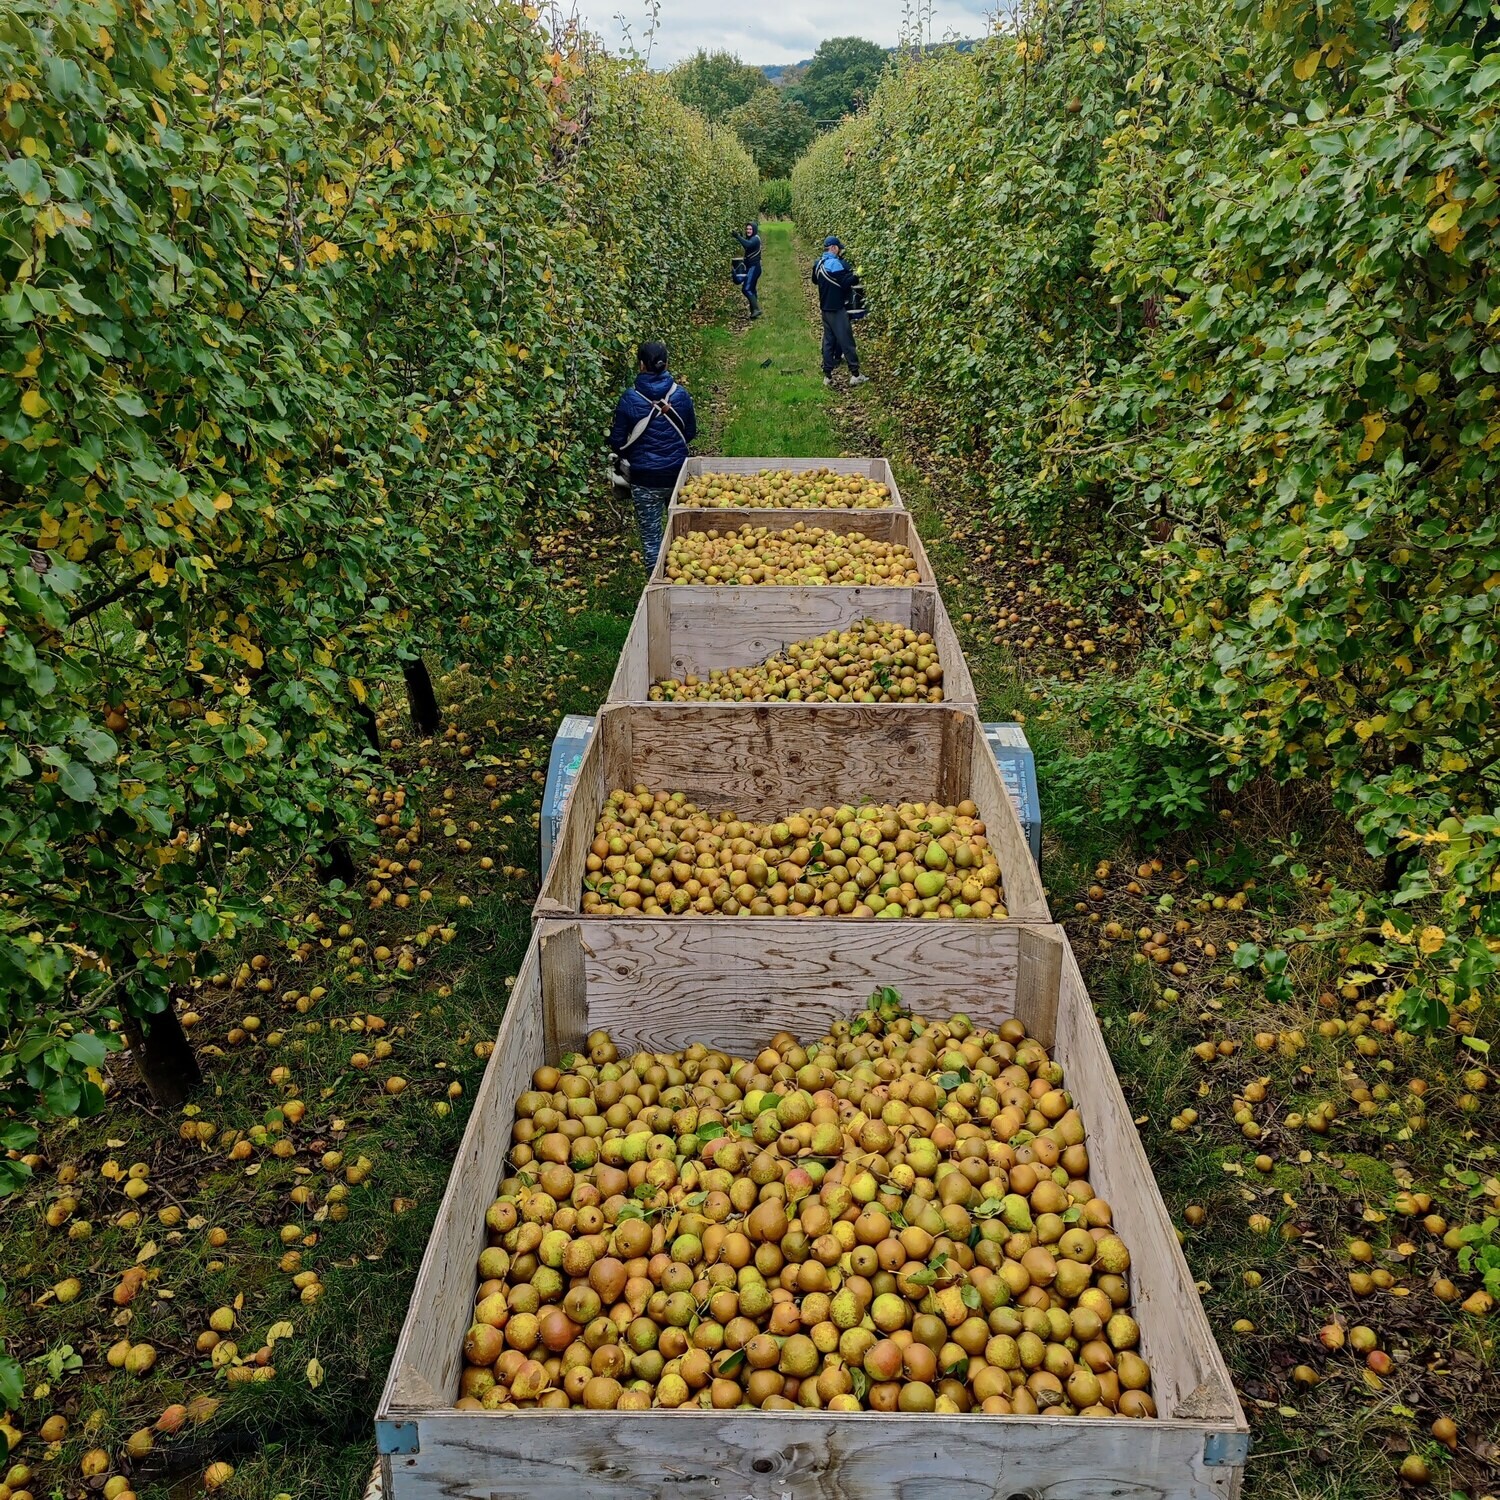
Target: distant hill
(777, 73)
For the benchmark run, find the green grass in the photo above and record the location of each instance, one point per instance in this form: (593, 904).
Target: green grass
(776, 404)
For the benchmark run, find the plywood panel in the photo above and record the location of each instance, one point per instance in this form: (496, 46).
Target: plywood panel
(1190, 1376)
(662, 984)
(429, 1354)
(698, 1455)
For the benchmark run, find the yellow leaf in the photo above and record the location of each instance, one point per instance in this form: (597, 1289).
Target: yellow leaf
(1447, 242)
(223, 500)
(1445, 218)
(159, 574)
(1416, 17)
(282, 1330)
(1431, 940)
(1307, 65)
(314, 1374)
(246, 650)
(213, 718)
(1099, 44)
(358, 689)
(34, 404)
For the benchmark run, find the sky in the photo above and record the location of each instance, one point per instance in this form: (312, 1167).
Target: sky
(773, 31)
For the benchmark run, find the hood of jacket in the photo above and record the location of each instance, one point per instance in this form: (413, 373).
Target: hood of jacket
(654, 387)
(830, 262)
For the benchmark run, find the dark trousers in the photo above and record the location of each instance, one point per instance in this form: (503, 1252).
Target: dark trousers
(751, 281)
(838, 342)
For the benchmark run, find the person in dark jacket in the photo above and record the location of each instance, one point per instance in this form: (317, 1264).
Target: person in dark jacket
(654, 423)
(750, 244)
(834, 278)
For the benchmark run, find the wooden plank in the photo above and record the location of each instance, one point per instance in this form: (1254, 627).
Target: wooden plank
(565, 1006)
(429, 1354)
(659, 984)
(883, 525)
(1189, 1374)
(1039, 981)
(958, 683)
(734, 1455)
(772, 759)
(632, 680)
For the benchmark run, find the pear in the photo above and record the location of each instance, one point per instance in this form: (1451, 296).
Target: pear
(1015, 1212)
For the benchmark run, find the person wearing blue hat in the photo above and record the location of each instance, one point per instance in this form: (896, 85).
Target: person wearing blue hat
(834, 278)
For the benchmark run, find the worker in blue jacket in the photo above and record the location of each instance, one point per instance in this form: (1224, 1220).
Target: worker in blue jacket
(834, 278)
(654, 423)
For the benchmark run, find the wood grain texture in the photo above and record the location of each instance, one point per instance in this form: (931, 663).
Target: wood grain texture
(565, 1007)
(678, 629)
(662, 984)
(767, 760)
(429, 1356)
(871, 468)
(1189, 1373)
(1038, 980)
(883, 525)
(633, 676)
(697, 1455)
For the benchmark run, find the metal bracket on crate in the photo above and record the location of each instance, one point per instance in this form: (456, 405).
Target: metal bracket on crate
(396, 1437)
(1228, 1448)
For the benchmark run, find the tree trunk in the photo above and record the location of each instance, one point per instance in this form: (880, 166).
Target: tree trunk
(337, 863)
(421, 697)
(368, 722)
(164, 1057)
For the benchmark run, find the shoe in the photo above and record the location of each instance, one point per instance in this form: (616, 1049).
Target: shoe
(828, 381)
(859, 380)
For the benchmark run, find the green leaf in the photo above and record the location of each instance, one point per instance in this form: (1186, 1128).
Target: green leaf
(77, 781)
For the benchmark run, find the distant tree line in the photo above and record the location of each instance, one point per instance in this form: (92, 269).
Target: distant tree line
(777, 122)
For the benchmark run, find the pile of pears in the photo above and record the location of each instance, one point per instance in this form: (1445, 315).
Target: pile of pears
(782, 489)
(799, 555)
(871, 662)
(897, 1218)
(656, 854)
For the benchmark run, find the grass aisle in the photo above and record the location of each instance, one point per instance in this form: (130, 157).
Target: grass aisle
(770, 371)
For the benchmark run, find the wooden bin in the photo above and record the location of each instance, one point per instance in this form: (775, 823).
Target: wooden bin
(883, 525)
(734, 988)
(679, 629)
(768, 760)
(871, 468)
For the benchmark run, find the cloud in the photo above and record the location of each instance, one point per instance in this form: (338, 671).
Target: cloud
(771, 31)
